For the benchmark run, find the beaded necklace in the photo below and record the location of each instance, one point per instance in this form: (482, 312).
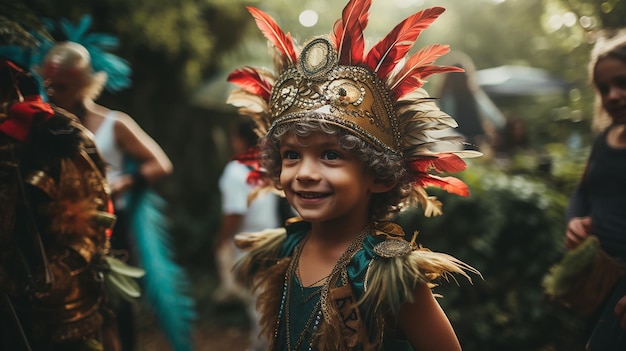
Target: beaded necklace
(321, 307)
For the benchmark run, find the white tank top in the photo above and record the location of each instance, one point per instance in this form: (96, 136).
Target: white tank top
(107, 146)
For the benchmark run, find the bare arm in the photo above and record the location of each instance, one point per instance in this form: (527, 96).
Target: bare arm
(135, 142)
(425, 324)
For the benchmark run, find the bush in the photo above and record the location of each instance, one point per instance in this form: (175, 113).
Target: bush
(511, 229)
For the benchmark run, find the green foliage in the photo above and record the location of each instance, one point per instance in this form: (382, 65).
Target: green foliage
(511, 229)
(176, 41)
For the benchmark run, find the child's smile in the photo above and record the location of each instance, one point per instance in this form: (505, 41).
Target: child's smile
(322, 180)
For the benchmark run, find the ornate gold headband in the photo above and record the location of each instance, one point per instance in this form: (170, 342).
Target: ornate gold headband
(348, 96)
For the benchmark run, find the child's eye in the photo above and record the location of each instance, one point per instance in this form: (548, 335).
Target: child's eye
(290, 155)
(331, 155)
(621, 82)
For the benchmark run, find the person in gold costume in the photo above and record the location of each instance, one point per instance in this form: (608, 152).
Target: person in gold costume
(56, 275)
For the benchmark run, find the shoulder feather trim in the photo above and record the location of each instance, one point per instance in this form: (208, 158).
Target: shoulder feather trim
(263, 248)
(391, 281)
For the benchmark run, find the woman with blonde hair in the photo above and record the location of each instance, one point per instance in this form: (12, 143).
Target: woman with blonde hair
(74, 73)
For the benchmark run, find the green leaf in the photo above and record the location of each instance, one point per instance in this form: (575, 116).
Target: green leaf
(122, 268)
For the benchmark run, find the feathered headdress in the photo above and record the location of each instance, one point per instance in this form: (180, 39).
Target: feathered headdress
(376, 95)
(31, 53)
(99, 46)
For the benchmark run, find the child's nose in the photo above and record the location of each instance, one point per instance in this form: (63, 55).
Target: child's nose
(308, 170)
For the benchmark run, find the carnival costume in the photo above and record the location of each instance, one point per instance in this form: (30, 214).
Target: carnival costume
(165, 285)
(56, 272)
(377, 97)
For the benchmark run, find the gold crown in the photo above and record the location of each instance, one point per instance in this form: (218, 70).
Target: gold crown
(351, 97)
(334, 77)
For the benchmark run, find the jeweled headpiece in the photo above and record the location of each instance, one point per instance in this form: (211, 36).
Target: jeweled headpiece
(377, 95)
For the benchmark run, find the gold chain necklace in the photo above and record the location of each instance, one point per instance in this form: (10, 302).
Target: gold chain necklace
(321, 307)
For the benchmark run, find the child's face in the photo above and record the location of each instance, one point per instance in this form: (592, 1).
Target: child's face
(610, 79)
(323, 181)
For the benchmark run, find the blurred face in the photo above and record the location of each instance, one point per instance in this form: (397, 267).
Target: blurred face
(322, 181)
(610, 80)
(63, 90)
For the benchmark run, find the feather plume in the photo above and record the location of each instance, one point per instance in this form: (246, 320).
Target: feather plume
(251, 105)
(383, 57)
(450, 184)
(254, 81)
(348, 32)
(392, 281)
(425, 56)
(259, 244)
(417, 68)
(265, 274)
(446, 162)
(270, 29)
(98, 44)
(430, 204)
(165, 283)
(417, 78)
(425, 120)
(432, 207)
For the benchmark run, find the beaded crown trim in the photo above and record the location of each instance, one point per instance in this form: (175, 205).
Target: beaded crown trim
(351, 97)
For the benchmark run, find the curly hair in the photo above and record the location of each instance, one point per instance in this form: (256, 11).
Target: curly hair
(385, 166)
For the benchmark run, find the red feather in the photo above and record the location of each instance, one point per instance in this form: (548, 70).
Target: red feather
(425, 56)
(442, 163)
(274, 34)
(249, 79)
(417, 77)
(383, 57)
(449, 184)
(348, 32)
(250, 158)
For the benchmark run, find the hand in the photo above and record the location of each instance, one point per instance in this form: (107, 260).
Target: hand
(578, 229)
(620, 311)
(122, 185)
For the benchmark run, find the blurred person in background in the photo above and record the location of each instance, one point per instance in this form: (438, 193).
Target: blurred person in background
(460, 95)
(239, 214)
(74, 74)
(71, 85)
(597, 208)
(54, 225)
